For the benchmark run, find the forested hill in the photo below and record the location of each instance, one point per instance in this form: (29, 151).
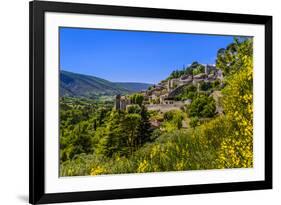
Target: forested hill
(80, 85)
(134, 87)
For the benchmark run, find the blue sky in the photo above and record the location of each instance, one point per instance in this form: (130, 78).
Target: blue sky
(132, 56)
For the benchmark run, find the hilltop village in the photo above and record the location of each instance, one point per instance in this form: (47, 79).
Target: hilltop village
(163, 97)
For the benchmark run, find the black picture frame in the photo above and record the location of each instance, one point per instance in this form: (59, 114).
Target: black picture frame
(37, 10)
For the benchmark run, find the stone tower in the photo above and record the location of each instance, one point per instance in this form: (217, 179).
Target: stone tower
(117, 102)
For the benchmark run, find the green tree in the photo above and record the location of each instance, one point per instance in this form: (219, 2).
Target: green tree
(205, 86)
(76, 141)
(199, 69)
(134, 108)
(145, 130)
(194, 65)
(114, 139)
(137, 99)
(229, 59)
(202, 106)
(130, 125)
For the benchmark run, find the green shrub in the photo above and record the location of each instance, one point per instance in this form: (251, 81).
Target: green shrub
(173, 120)
(194, 121)
(137, 99)
(202, 106)
(134, 108)
(205, 86)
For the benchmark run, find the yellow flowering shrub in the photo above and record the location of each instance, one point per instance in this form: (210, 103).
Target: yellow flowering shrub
(142, 166)
(180, 165)
(237, 149)
(97, 170)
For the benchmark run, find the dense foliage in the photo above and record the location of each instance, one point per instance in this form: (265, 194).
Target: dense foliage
(202, 106)
(188, 92)
(237, 149)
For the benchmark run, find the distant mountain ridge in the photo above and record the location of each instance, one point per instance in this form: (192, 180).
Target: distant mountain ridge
(134, 87)
(80, 85)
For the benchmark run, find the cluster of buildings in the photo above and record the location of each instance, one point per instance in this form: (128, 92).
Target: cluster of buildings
(161, 96)
(163, 93)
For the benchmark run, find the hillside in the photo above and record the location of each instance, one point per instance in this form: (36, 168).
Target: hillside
(134, 87)
(80, 85)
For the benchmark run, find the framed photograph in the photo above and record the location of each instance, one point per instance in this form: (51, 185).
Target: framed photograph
(140, 102)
